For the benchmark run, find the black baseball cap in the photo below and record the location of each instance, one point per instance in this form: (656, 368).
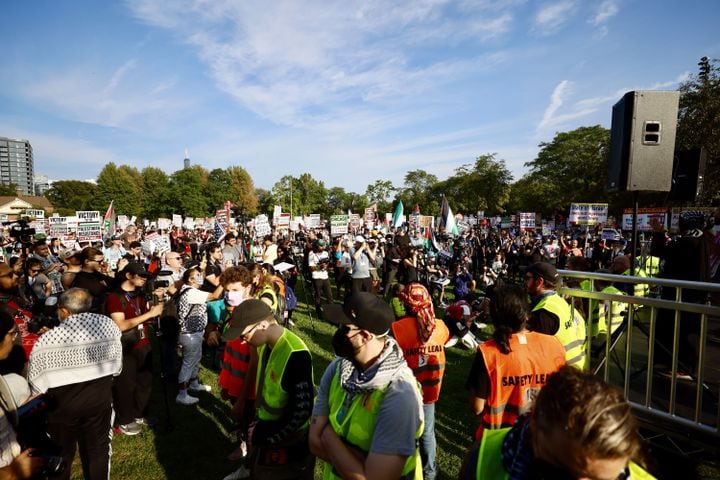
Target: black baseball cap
(247, 313)
(136, 268)
(543, 270)
(365, 310)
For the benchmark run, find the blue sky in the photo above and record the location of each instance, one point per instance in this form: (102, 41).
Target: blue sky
(349, 91)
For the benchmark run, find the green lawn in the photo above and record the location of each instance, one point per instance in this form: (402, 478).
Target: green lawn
(198, 442)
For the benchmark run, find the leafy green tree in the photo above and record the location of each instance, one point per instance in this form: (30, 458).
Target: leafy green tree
(484, 185)
(699, 124)
(337, 199)
(9, 190)
(265, 201)
(187, 193)
(299, 196)
(68, 196)
(419, 190)
(381, 192)
(571, 168)
(120, 184)
(155, 184)
(242, 189)
(218, 189)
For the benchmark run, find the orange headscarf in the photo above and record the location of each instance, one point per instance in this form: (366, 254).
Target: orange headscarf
(419, 302)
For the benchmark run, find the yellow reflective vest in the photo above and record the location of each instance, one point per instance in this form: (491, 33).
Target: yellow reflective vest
(599, 317)
(271, 396)
(490, 466)
(572, 332)
(354, 421)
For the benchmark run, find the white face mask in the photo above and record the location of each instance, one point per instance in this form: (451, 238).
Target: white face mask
(234, 298)
(199, 279)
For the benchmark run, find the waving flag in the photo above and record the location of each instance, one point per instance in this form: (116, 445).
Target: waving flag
(109, 221)
(447, 219)
(398, 216)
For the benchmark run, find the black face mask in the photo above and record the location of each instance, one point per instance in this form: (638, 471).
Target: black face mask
(341, 343)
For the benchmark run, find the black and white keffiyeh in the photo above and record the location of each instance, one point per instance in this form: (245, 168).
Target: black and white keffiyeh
(84, 347)
(387, 367)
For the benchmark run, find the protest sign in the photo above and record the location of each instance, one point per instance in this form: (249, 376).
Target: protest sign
(262, 226)
(527, 220)
(588, 213)
(643, 219)
(87, 216)
(339, 224)
(89, 232)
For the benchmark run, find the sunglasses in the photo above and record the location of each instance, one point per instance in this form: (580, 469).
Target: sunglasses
(243, 336)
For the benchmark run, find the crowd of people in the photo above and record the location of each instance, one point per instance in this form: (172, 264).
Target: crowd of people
(76, 326)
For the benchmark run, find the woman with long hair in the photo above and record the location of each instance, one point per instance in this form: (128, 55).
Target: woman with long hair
(509, 369)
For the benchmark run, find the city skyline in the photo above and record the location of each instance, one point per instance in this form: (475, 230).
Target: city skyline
(350, 92)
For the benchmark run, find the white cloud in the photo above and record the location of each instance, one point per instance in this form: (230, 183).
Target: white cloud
(605, 11)
(123, 98)
(556, 100)
(587, 106)
(551, 17)
(296, 63)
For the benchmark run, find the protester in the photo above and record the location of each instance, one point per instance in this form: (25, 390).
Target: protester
(579, 427)
(278, 438)
(422, 340)
(363, 257)
(15, 463)
(92, 277)
(193, 318)
(368, 415)
(318, 263)
(509, 369)
(74, 364)
(552, 315)
(130, 310)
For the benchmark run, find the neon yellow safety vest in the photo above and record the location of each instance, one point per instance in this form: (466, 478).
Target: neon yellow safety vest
(639, 289)
(355, 423)
(572, 332)
(651, 265)
(600, 314)
(490, 465)
(586, 285)
(271, 397)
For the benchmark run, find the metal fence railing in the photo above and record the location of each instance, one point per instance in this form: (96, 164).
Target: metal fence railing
(686, 408)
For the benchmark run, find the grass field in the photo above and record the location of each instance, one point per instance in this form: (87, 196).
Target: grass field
(195, 442)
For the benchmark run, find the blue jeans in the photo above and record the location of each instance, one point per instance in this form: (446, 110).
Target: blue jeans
(428, 445)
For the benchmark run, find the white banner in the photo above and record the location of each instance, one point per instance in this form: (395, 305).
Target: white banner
(339, 224)
(262, 226)
(527, 220)
(87, 216)
(588, 213)
(644, 216)
(177, 220)
(89, 232)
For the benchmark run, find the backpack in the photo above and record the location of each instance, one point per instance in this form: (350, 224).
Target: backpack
(169, 322)
(281, 292)
(290, 298)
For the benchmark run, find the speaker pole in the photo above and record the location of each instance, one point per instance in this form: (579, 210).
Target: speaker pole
(634, 232)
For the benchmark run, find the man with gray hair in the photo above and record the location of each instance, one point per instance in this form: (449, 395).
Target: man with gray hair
(74, 363)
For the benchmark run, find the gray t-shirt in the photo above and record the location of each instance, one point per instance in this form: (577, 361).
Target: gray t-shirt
(361, 266)
(399, 417)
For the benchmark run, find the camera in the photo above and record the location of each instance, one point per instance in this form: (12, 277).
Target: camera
(21, 231)
(41, 320)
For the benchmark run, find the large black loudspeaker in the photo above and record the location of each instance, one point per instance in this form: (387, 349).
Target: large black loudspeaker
(688, 173)
(642, 141)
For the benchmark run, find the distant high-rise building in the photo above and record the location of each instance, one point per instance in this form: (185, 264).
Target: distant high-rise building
(186, 161)
(16, 164)
(42, 184)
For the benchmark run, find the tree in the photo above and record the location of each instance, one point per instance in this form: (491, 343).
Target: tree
(187, 193)
(155, 184)
(381, 192)
(9, 190)
(242, 189)
(484, 185)
(218, 189)
(123, 185)
(68, 196)
(571, 168)
(699, 124)
(418, 190)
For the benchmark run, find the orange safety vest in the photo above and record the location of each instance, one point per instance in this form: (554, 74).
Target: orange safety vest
(425, 359)
(517, 377)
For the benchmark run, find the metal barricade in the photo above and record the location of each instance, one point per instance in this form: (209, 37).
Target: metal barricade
(679, 408)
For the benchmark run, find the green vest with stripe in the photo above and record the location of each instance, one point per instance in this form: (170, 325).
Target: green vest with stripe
(354, 421)
(572, 332)
(271, 397)
(490, 466)
(600, 314)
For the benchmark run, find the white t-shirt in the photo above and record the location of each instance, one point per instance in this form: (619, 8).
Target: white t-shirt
(313, 261)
